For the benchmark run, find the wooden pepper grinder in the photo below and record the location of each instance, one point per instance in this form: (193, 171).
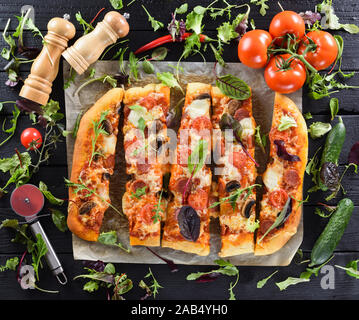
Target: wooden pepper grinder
(38, 85)
(89, 47)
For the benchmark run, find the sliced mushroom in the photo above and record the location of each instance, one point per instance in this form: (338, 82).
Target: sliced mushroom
(203, 96)
(233, 106)
(247, 208)
(107, 126)
(87, 207)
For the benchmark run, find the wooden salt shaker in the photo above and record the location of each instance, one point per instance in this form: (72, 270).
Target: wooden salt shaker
(38, 85)
(89, 47)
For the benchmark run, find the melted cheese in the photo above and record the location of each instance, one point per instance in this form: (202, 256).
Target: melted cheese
(109, 144)
(273, 175)
(247, 127)
(198, 108)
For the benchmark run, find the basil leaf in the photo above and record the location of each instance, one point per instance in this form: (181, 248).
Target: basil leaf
(159, 53)
(148, 67)
(168, 79)
(110, 238)
(233, 87)
(48, 195)
(117, 4)
(59, 220)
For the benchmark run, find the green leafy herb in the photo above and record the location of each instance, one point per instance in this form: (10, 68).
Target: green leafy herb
(59, 219)
(334, 107)
(232, 198)
(159, 54)
(332, 21)
(104, 79)
(351, 268)
(286, 122)
(158, 209)
(117, 4)
(198, 157)
(263, 6)
(87, 27)
(194, 21)
(154, 23)
(13, 121)
(110, 238)
(139, 193)
(148, 67)
(39, 251)
(261, 140)
(49, 196)
(261, 283)
(278, 220)
(107, 278)
(81, 186)
(168, 79)
(10, 264)
(98, 129)
(319, 129)
(308, 116)
(225, 268)
(233, 87)
(155, 286)
(182, 9)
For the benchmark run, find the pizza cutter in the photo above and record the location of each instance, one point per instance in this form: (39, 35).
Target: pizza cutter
(27, 201)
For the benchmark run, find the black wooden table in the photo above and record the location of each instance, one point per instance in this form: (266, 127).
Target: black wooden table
(175, 285)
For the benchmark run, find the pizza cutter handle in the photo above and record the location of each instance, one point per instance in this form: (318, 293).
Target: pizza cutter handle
(51, 257)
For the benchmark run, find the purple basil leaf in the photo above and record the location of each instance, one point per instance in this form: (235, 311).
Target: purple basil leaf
(208, 277)
(176, 28)
(170, 263)
(310, 17)
(98, 265)
(28, 106)
(354, 154)
(241, 29)
(11, 83)
(28, 52)
(189, 223)
(283, 153)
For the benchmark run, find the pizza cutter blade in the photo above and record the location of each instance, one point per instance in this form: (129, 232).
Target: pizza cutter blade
(27, 201)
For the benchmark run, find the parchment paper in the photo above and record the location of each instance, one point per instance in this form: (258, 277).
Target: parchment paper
(263, 100)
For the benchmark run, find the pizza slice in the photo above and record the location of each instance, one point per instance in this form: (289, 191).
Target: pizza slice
(281, 207)
(187, 223)
(92, 165)
(234, 147)
(145, 135)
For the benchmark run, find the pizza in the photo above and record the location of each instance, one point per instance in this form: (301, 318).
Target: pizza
(92, 166)
(236, 172)
(281, 208)
(188, 216)
(144, 130)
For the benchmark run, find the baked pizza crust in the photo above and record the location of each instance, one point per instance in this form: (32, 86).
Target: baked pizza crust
(276, 240)
(82, 151)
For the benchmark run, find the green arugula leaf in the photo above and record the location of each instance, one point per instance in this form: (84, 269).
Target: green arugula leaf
(139, 193)
(351, 268)
(13, 121)
(261, 283)
(289, 282)
(148, 67)
(182, 9)
(155, 286)
(168, 79)
(261, 140)
(154, 23)
(263, 6)
(133, 64)
(38, 253)
(87, 27)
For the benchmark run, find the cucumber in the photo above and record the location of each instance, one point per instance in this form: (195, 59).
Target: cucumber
(332, 148)
(332, 233)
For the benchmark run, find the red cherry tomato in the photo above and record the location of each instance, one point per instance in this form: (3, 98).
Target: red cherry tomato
(31, 136)
(326, 51)
(278, 198)
(252, 48)
(286, 22)
(286, 79)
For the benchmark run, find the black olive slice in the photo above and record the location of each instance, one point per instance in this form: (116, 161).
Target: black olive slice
(87, 207)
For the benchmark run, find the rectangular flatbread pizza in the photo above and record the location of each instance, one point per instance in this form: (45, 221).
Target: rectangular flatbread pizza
(92, 165)
(144, 129)
(187, 223)
(283, 178)
(236, 171)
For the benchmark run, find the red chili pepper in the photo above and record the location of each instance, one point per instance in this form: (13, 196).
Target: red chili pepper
(166, 39)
